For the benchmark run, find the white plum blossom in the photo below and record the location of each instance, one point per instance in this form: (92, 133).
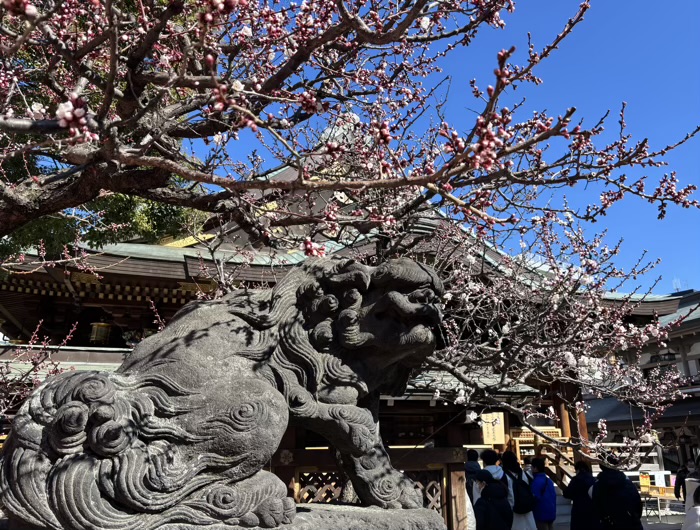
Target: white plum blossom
(64, 113)
(570, 359)
(37, 111)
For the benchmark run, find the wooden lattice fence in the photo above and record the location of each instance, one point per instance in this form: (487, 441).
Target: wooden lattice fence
(319, 486)
(327, 487)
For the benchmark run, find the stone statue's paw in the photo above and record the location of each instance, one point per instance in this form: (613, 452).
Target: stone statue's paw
(411, 496)
(290, 509)
(394, 491)
(270, 513)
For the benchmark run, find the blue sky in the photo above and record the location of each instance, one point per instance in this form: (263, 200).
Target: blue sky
(642, 52)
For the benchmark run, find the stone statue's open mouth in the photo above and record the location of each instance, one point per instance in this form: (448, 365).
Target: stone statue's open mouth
(394, 320)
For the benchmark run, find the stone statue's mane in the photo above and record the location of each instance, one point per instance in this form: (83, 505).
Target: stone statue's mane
(296, 343)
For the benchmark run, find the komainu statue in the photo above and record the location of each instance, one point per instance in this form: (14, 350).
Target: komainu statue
(178, 436)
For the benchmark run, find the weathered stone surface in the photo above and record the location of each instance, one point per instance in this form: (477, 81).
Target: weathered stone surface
(333, 517)
(178, 436)
(329, 517)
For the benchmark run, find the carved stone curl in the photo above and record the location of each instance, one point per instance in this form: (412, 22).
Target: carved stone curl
(178, 436)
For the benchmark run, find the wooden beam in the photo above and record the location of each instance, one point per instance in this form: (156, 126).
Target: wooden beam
(409, 459)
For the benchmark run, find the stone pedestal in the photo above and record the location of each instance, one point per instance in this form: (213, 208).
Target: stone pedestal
(326, 517)
(335, 517)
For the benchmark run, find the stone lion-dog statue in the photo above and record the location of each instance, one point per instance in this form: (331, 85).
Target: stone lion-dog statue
(180, 433)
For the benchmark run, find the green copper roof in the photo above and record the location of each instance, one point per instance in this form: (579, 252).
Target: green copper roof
(261, 258)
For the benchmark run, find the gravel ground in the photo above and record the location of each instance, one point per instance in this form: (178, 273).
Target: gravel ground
(668, 522)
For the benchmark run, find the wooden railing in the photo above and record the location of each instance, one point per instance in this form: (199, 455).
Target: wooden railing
(439, 472)
(560, 465)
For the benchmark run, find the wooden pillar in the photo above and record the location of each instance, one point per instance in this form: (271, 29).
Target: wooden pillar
(564, 395)
(582, 426)
(457, 497)
(564, 419)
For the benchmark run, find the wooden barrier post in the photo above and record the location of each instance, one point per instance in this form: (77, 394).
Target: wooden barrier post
(457, 495)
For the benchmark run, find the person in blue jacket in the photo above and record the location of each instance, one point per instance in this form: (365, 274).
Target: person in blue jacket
(545, 510)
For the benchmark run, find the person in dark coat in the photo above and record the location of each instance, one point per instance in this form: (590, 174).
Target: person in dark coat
(679, 488)
(690, 470)
(583, 513)
(471, 468)
(616, 500)
(492, 510)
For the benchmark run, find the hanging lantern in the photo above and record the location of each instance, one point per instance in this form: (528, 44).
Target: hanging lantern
(669, 438)
(100, 333)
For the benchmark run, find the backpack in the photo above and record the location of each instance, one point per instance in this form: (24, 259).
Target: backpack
(523, 499)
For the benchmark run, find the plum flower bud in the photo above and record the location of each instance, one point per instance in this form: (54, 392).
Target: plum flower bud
(312, 249)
